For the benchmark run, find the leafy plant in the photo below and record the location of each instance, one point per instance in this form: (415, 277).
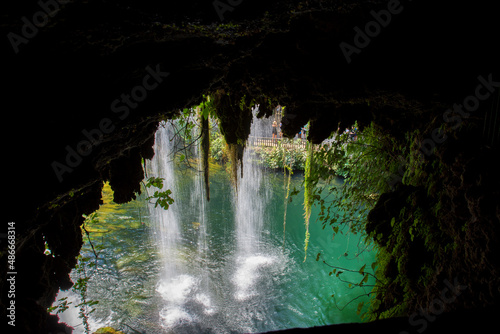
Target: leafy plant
(83, 273)
(365, 166)
(162, 198)
(218, 148)
(287, 153)
(62, 306)
(86, 306)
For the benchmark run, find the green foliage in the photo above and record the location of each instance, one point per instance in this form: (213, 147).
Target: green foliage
(162, 198)
(190, 125)
(86, 306)
(207, 108)
(218, 147)
(309, 183)
(365, 164)
(62, 306)
(83, 271)
(243, 103)
(108, 330)
(185, 125)
(287, 153)
(415, 236)
(287, 183)
(366, 167)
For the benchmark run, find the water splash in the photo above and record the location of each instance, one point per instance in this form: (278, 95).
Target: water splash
(252, 197)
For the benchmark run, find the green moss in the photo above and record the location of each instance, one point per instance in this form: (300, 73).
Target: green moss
(418, 241)
(308, 196)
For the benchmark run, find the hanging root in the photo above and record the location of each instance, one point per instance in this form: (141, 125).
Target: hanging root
(286, 186)
(308, 194)
(205, 151)
(235, 152)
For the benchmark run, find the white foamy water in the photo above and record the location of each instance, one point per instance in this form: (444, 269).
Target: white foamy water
(204, 300)
(248, 274)
(176, 290)
(175, 293)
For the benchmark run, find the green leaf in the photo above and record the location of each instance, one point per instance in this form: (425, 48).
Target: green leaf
(366, 278)
(362, 270)
(360, 307)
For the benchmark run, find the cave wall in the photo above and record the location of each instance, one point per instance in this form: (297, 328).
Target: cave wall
(61, 83)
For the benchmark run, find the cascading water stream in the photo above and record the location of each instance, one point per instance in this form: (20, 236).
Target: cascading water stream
(175, 282)
(250, 203)
(199, 205)
(197, 293)
(184, 284)
(166, 231)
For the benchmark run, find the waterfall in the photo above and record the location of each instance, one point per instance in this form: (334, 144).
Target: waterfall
(212, 282)
(252, 195)
(175, 283)
(250, 214)
(198, 203)
(166, 231)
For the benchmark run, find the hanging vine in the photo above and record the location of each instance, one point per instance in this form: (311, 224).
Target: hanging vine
(308, 194)
(206, 108)
(286, 186)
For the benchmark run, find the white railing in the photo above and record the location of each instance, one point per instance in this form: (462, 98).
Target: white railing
(274, 142)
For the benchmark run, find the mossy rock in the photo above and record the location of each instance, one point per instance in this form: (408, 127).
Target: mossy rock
(108, 330)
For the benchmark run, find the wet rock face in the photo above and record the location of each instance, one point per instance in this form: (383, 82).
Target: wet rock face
(85, 87)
